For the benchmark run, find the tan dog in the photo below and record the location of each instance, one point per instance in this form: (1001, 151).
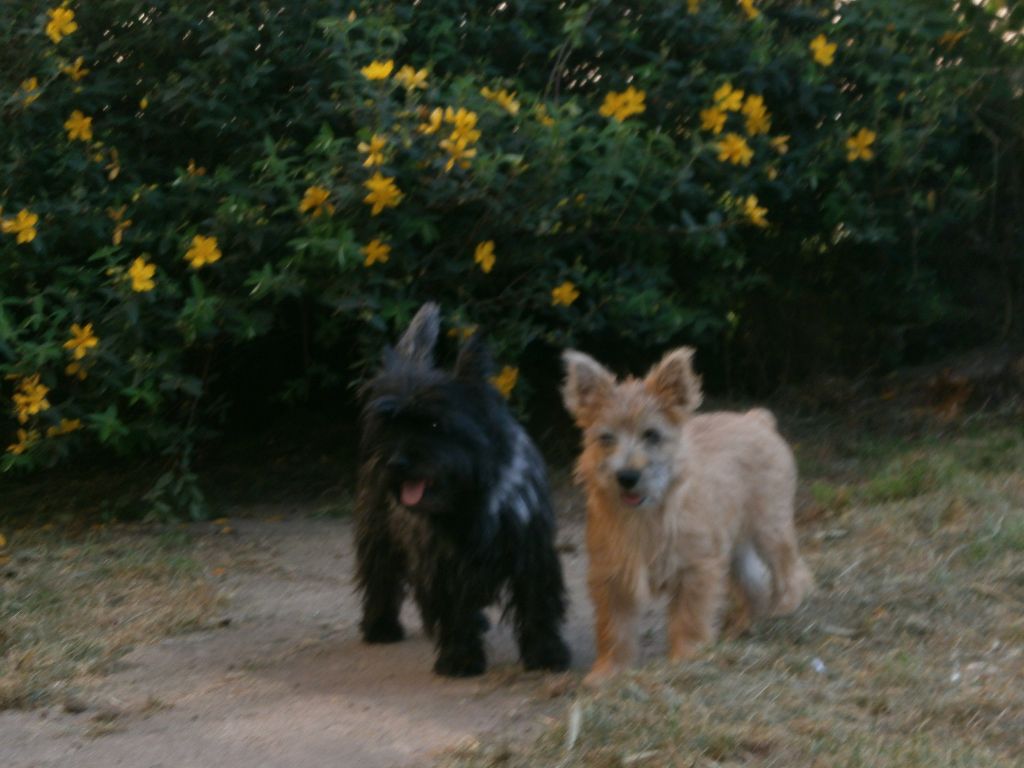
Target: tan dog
(678, 504)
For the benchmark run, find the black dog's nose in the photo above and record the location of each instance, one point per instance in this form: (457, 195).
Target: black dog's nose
(628, 478)
(398, 463)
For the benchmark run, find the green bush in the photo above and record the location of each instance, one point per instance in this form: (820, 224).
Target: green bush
(191, 189)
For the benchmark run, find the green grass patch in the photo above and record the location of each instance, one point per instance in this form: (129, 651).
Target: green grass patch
(905, 479)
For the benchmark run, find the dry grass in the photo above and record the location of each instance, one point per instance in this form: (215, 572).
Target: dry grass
(910, 653)
(70, 605)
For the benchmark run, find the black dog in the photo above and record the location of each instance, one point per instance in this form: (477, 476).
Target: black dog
(453, 501)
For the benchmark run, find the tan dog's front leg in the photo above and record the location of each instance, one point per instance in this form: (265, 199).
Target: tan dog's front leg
(615, 612)
(694, 607)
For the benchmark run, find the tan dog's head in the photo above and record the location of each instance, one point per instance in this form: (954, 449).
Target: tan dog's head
(631, 429)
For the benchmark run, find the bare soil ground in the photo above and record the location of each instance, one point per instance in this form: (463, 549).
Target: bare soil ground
(910, 653)
(279, 677)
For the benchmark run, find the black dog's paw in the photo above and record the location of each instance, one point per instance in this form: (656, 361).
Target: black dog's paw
(461, 662)
(383, 631)
(550, 654)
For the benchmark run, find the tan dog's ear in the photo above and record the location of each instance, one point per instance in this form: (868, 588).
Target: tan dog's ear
(674, 382)
(587, 385)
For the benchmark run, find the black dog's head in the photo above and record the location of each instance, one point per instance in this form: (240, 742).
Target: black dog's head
(437, 438)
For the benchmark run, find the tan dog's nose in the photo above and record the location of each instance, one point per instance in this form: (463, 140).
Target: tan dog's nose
(628, 478)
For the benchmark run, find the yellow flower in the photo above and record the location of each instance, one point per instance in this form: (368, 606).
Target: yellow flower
(315, 200)
(780, 143)
(543, 117)
(771, 172)
(712, 119)
(484, 256)
(376, 251)
(503, 98)
(61, 24)
(565, 294)
(78, 127)
(692, 6)
(65, 427)
(464, 122)
(193, 169)
(30, 397)
(411, 78)
(25, 440)
(81, 341)
(378, 70)
(824, 51)
(120, 223)
(758, 119)
(620, 106)
(858, 146)
(144, 103)
(75, 70)
(383, 192)
(506, 380)
(632, 103)
(202, 251)
(728, 98)
(734, 149)
(749, 9)
(113, 168)
(374, 150)
(434, 122)
(948, 39)
(462, 333)
(76, 370)
(31, 89)
(459, 151)
(23, 225)
(754, 212)
(141, 273)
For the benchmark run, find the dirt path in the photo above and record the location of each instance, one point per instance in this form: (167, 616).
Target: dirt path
(287, 683)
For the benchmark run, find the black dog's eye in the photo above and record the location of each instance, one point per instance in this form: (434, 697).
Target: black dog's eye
(385, 406)
(651, 436)
(434, 425)
(606, 439)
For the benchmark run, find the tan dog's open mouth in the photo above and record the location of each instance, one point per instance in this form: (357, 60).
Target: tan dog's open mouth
(631, 499)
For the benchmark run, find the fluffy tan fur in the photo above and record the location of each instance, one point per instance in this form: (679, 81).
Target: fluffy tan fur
(680, 504)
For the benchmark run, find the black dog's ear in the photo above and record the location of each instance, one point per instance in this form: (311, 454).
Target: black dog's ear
(474, 360)
(418, 341)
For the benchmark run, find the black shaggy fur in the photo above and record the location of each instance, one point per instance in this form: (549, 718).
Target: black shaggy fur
(453, 502)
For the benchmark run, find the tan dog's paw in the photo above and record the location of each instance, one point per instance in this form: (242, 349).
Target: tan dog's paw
(683, 651)
(601, 673)
(737, 621)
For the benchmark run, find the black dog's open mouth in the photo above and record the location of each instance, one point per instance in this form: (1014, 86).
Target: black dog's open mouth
(411, 492)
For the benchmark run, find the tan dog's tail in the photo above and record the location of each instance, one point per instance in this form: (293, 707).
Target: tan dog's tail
(763, 415)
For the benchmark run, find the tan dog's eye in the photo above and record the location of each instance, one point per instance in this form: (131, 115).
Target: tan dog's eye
(652, 436)
(607, 439)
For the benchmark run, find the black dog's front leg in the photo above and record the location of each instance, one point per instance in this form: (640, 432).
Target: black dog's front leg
(380, 571)
(460, 647)
(538, 597)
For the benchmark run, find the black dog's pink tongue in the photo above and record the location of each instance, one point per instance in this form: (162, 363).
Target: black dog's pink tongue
(412, 492)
